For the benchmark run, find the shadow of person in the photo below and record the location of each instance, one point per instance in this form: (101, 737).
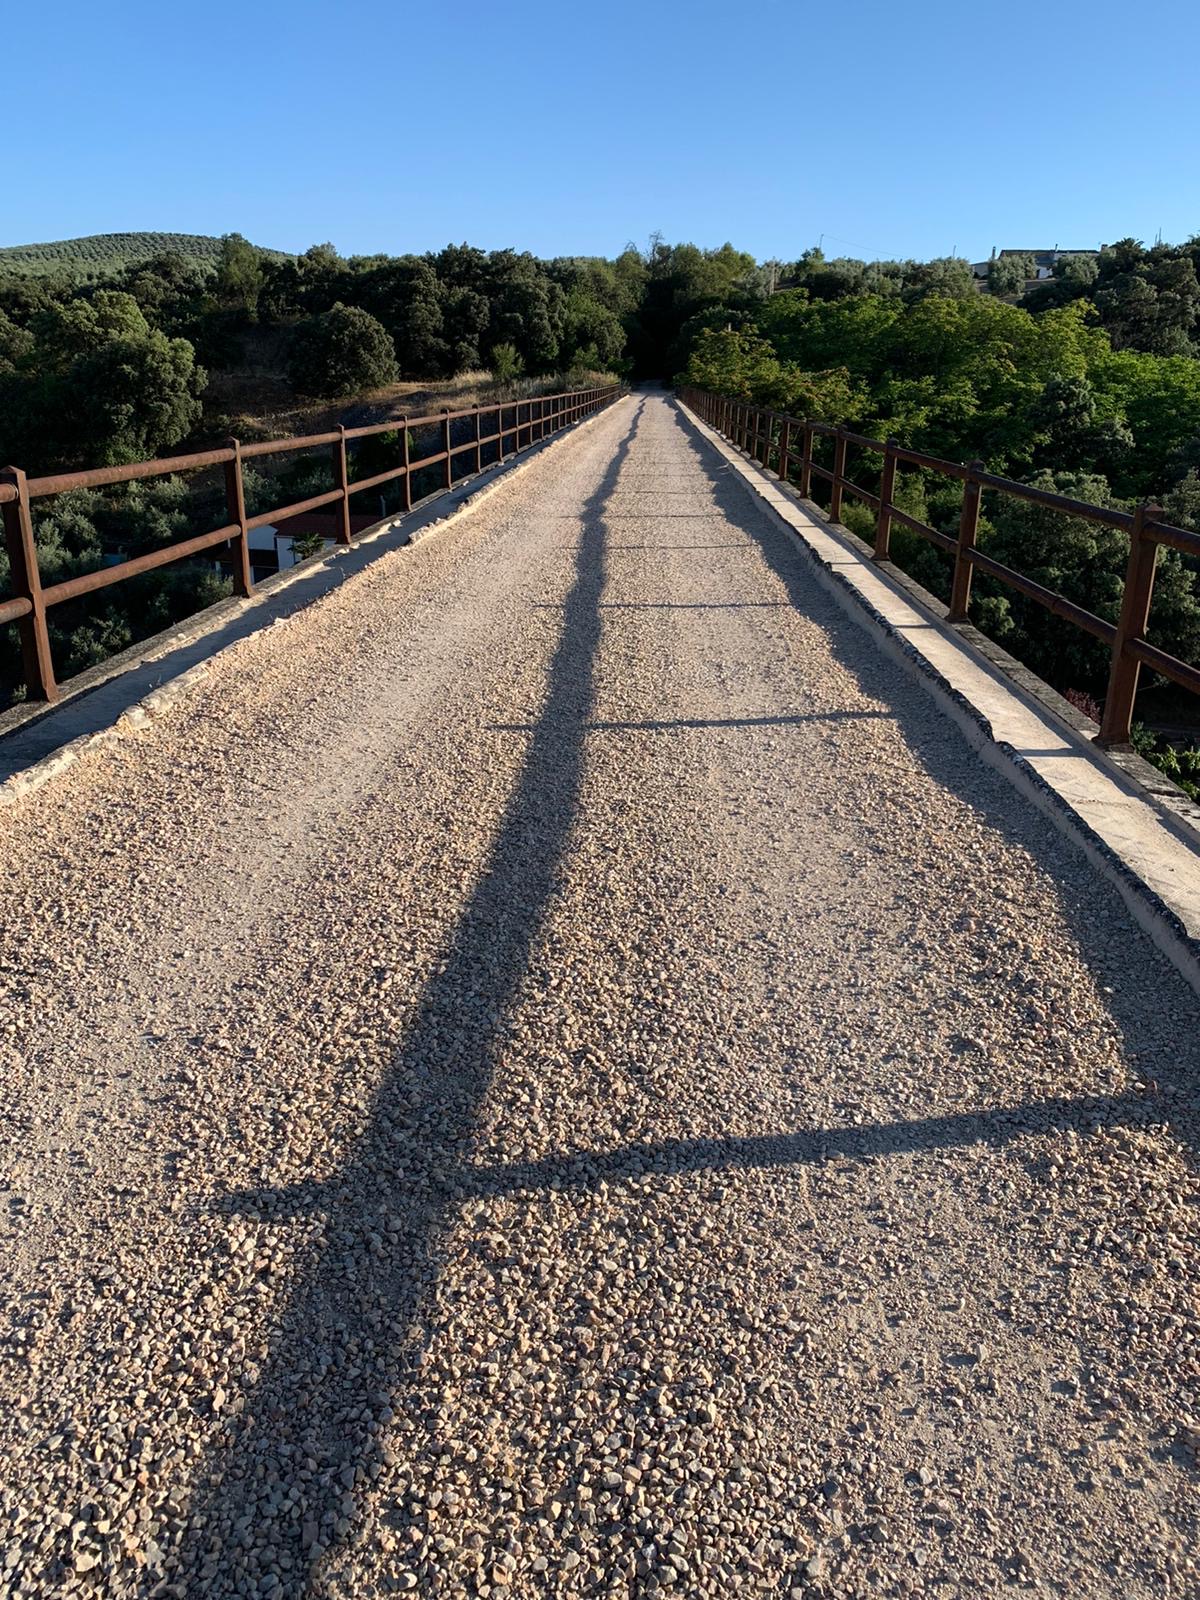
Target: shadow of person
(283, 1485)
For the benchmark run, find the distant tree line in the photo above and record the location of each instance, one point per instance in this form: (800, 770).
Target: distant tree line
(1089, 382)
(154, 330)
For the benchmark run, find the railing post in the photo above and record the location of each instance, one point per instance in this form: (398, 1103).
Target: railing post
(839, 476)
(1116, 724)
(769, 419)
(407, 468)
(785, 439)
(27, 585)
(887, 491)
(968, 532)
(342, 484)
(806, 462)
(478, 439)
(235, 511)
(446, 446)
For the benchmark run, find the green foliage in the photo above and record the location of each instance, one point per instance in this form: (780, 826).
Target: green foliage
(1008, 274)
(506, 364)
(16, 344)
(1181, 765)
(1182, 504)
(1071, 434)
(305, 545)
(1086, 563)
(1146, 300)
(746, 367)
(342, 351)
(78, 532)
(909, 281)
(109, 253)
(238, 280)
(96, 383)
(678, 282)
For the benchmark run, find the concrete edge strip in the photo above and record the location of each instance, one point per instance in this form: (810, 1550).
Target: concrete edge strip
(30, 779)
(1143, 847)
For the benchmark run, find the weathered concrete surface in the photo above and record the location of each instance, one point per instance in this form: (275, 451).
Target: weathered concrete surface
(559, 1071)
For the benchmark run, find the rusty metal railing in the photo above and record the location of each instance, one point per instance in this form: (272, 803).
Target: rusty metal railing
(762, 433)
(519, 424)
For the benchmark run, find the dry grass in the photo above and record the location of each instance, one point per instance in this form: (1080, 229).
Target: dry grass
(256, 403)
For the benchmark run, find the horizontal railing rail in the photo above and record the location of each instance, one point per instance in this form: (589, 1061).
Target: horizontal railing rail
(518, 425)
(762, 433)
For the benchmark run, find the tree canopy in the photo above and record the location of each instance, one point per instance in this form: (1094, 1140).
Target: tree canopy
(342, 351)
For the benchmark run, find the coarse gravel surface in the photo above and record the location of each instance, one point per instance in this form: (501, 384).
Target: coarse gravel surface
(555, 1071)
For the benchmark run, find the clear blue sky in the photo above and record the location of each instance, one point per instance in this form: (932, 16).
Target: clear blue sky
(892, 129)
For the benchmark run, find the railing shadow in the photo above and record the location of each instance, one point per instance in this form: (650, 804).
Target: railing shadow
(354, 1325)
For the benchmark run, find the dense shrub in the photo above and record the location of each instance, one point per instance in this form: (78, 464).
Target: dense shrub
(342, 351)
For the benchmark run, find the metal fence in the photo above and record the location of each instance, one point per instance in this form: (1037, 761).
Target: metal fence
(519, 424)
(763, 433)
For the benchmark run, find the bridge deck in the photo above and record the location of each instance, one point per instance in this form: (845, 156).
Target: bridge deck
(557, 1072)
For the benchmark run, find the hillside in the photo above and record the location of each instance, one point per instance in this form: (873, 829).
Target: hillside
(99, 254)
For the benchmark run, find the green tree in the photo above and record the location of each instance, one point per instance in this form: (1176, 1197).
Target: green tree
(98, 387)
(1072, 434)
(406, 297)
(745, 367)
(507, 365)
(1008, 274)
(16, 343)
(1182, 503)
(342, 351)
(239, 275)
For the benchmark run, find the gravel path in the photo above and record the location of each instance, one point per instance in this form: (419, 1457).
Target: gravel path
(556, 1072)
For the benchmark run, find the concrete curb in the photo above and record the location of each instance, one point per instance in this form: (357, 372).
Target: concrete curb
(1143, 839)
(134, 717)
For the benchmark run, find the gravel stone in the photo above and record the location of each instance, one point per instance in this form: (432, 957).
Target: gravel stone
(555, 1070)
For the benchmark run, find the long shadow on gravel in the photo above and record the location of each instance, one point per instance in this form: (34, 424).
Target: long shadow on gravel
(1158, 1014)
(283, 1486)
